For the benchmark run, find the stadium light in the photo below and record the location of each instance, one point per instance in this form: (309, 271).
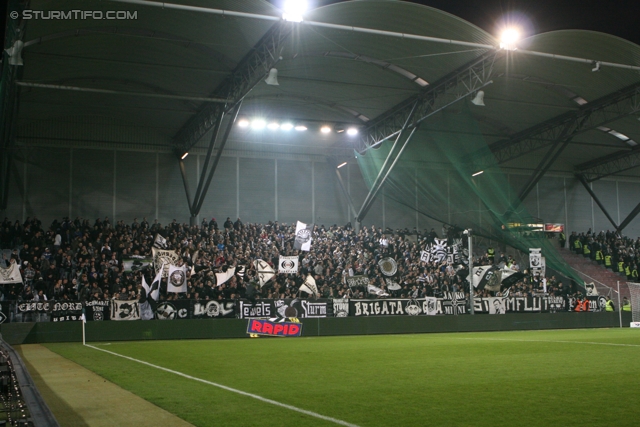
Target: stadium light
(184, 156)
(273, 126)
(300, 128)
(341, 165)
(258, 124)
(352, 131)
(478, 173)
(325, 129)
(286, 126)
(243, 123)
(294, 9)
(509, 38)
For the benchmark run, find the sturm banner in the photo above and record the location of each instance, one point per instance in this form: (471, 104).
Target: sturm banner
(300, 308)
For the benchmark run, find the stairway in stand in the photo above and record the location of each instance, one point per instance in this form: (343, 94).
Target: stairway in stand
(591, 271)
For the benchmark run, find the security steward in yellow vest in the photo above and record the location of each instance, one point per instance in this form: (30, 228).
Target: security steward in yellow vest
(627, 271)
(562, 239)
(491, 254)
(626, 304)
(620, 266)
(634, 273)
(586, 250)
(577, 246)
(607, 261)
(599, 256)
(610, 306)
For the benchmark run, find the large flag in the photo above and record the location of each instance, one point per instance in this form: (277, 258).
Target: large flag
(160, 242)
(430, 306)
(177, 281)
(309, 286)
(136, 263)
(376, 291)
(265, 272)
(10, 274)
(509, 277)
(288, 264)
(164, 257)
(486, 277)
(303, 236)
(153, 291)
(388, 266)
(224, 276)
(436, 252)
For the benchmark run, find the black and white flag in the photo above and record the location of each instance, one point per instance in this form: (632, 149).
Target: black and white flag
(376, 291)
(10, 274)
(486, 277)
(388, 266)
(164, 257)
(177, 280)
(136, 263)
(160, 242)
(224, 276)
(309, 286)
(303, 236)
(436, 252)
(430, 306)
(240, 270)
(264, 270)
(392, 285)
(288, 264)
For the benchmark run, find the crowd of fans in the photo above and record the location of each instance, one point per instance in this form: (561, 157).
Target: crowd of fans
(616, 252)
(77, 260)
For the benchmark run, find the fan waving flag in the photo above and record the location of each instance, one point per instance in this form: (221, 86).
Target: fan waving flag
(10, 274)
(303, 236)
(265, 272)
(309, 286)
(288, 264)
(177, 279)
(224, 276)
(486, 277)
(160, 242)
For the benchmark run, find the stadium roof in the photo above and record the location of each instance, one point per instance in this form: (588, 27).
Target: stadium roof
(566, 101)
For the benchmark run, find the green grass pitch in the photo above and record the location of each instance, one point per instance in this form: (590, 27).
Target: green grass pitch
(533, 378)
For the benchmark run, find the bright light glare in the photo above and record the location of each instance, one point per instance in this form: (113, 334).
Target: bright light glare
(243, 123)
(342, 164)
(352, 131)
(478, 173)
(301, 128)
(509, 38)
(184, 156)
(294, 9)
(273, 126)
(325, 129)
(258, 124)
(286, 126)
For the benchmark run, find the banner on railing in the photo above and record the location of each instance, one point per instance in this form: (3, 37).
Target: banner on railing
(300, 308)
(97, 311)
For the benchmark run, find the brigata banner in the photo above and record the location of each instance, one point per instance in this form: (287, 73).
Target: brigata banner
(301, 308)
(97, 311)
(213, 309)
(274, 328)
(450, 303)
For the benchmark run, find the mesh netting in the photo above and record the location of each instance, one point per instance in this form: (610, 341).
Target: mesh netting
(436, 170)
(634, 290)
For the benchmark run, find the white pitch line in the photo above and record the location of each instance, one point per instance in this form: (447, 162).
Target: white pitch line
(224, 387)
(554, 341)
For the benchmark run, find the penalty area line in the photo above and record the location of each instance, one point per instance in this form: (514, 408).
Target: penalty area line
(552, 341)
(233, 390)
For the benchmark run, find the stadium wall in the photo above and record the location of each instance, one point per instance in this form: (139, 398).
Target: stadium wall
(52, 182)
(46, 332)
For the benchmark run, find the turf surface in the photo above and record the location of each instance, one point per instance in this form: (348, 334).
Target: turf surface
(534, 378)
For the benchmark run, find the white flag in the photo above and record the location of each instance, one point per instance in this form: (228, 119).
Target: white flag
(153, 291)
(303, 236)
(376, 291)
(430, 306)
(224, 276)
(288, 264)
(160, 242)
(177, 281)
(265, 272)
(10, 274)
(164, 257)
(309, 286)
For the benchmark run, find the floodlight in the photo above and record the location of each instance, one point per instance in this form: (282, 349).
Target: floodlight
(325, 129)
(342, 164)
(273, 126)
(258, 124)
(478, 173)
(301, 128)
(294, 9)
(352, 131)
(509, 38)
(286, 126)
(184, 156)
(243, 123)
